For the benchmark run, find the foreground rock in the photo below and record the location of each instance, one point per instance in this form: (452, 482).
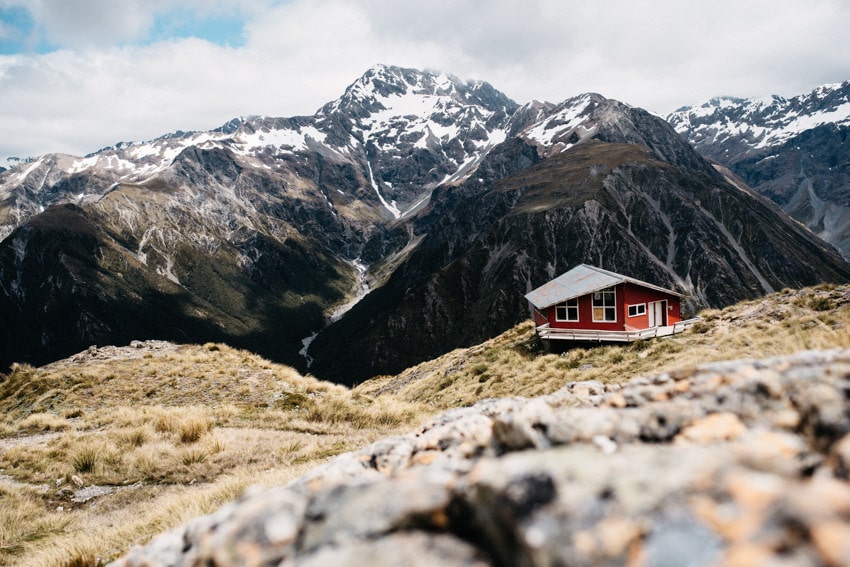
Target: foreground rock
(740, 463)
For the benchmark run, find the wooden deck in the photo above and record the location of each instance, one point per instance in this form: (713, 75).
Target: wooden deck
(547, 333)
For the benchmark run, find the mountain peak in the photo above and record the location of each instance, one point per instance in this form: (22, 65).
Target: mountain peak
(763, 122)
(830, 88)
(382, 86)
(555, 128)
(790, 150)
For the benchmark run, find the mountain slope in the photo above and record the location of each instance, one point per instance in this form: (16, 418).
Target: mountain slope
(441, 195)
(68, 282)
(793, 151)
(560, 193)
(262, 221)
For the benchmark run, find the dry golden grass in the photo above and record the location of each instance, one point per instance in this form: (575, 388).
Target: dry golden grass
(172, 433)
(23, 517)
(176, 432)
(513, 364)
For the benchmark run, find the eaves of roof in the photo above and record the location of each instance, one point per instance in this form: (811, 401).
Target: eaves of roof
(582, 280)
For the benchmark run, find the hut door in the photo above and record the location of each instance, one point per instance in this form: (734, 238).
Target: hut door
(658, 313)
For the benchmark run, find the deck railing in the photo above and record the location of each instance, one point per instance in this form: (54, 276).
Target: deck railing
(548, 333)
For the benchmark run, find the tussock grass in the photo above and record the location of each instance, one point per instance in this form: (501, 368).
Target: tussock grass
(188, 425)
(41, 422)
(175, 432)
(514, 364)
(179, 431)
(193, 455)
(23, 519)
(86, 458)
(133, 437)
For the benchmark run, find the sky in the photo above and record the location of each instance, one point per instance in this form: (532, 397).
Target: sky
(79, 75)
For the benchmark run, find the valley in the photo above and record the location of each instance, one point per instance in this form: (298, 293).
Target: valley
(256, 305)
(398, 222)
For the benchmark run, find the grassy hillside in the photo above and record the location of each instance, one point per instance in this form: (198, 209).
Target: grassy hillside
(167, 433)
(513, 364)
(114, 445)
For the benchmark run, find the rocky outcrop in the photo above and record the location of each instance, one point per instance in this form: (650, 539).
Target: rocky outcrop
(736, 463)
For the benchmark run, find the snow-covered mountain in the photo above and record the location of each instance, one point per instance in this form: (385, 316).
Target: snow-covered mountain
(442, 197)
(792, 150)
(398, 116)
(761, 123)
(555, 128)
(284, 210)
(405, 131)
(587, 180)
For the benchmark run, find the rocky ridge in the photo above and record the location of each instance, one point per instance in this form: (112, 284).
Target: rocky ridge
(399, 132)
(441, 197)
(735, 125)
(249, 234)
(790, 150)
(735, 463)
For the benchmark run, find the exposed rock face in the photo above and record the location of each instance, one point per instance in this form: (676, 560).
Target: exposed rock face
(248, 234)
(442, 195)
(793, 151)
(737, 463)
(522, 220)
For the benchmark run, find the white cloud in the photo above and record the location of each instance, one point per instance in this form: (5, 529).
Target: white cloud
(659, 54)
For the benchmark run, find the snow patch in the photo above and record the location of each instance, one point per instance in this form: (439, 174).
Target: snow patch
(557, 126)
(389, 206)
(796, 124)
(306, 341)
(294, 140)
(361, 290)
(20, 177)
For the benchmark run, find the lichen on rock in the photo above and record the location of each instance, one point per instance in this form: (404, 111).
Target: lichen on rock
(718, 465)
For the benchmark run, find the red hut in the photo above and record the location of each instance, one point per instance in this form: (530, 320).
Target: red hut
(591, 304)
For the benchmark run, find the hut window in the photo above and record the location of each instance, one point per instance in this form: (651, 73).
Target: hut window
(605, 305)
(567, 311)
(637, 310)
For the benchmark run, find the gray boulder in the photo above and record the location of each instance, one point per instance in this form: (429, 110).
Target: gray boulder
(737, 463)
